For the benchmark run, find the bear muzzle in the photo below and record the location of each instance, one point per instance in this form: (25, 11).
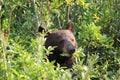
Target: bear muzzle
(71, 50)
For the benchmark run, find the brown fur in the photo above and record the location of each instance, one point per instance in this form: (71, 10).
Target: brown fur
(64, 41)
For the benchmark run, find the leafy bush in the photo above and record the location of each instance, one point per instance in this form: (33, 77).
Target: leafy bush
(22, 51)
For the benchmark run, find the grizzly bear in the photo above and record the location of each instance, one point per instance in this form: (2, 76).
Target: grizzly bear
(65, 45)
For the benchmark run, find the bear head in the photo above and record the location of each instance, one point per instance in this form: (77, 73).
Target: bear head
(65, 43)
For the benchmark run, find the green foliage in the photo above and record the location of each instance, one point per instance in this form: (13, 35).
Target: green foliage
(22, 50)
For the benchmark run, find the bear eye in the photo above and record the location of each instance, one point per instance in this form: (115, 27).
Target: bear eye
(61, 41)
(72, 39)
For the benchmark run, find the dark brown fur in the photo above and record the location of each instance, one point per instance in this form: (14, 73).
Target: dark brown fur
(64, 41)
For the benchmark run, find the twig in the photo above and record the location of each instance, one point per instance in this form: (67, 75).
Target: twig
(36, 14)
(59, 22)
(4, 57)
(68, 13)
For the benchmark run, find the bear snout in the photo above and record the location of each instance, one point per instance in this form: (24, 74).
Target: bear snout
(71, 50)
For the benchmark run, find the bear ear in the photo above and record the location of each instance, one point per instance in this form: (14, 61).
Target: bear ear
(40, 29)
(71, 26)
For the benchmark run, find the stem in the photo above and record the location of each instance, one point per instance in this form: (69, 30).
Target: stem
(4, 57)
(68, 13)
(59, 21)
(36, 14)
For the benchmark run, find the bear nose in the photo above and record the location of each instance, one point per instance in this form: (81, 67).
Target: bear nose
(71, 50)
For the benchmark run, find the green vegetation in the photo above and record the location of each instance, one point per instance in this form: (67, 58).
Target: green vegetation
(22, 51)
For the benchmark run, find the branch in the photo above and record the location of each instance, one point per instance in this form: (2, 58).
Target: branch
(36, 14)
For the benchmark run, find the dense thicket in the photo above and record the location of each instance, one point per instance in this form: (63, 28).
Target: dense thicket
(22, 51)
